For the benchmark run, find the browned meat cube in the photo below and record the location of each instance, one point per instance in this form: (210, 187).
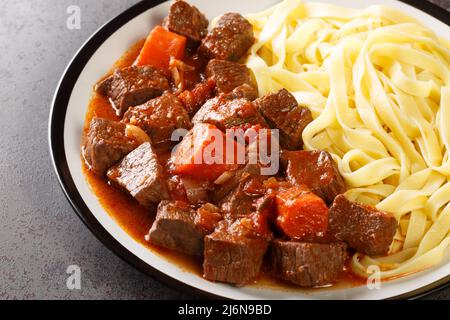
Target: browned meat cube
(282, 111)
(227, 114)
(159, 117)
(228, 75)
(237, 191)
(230, 39)
(195, 98)
(197, 191)
(132, 86)
(241, 200)
(106, 143)
(141, 175)
(180, 227)
(363, 227)
(234, 251)
(315, 169)
(187, 20)
(237, 204)
(307, 264)
(234, 178)
(244, 91)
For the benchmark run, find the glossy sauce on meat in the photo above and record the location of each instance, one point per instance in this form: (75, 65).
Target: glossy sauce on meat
(137, 220)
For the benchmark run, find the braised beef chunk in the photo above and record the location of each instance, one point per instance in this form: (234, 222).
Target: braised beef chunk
(234, 178)
(174, 228)
(141, 175)
(363, 227)
(159, 117)
(227, 114)
(186, 20)
(234, 251)
(229, 39)
(241, 200)
(197, 191)
(282, 111)
(237, 203)
(238, 191)
(106, 143)
(180, 227)
(195, 98)
(228, 75)
(307, 264)
(315, 169)
(132, 86)
(244, 91)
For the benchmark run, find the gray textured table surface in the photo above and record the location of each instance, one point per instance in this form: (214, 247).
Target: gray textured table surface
(40, 235)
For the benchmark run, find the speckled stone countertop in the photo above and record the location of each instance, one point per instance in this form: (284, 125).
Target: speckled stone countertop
(40, 235)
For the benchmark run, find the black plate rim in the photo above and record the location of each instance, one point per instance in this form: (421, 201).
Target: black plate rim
(57, 151)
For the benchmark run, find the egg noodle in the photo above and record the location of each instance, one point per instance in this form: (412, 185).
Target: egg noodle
(378, 85)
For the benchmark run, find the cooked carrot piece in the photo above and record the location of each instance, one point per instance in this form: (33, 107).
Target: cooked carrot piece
(203, 153)
(159, 47)
(301, 214)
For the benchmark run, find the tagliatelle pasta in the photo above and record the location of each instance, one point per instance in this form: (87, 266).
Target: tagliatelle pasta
(378, 85)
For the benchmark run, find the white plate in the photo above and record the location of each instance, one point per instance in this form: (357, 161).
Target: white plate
(94, 59)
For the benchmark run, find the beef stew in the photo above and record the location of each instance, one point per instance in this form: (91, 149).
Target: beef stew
(237, 222)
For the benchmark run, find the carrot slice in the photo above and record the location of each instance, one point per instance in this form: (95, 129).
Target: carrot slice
(204, 153)
(159, 47)
(302, 215)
